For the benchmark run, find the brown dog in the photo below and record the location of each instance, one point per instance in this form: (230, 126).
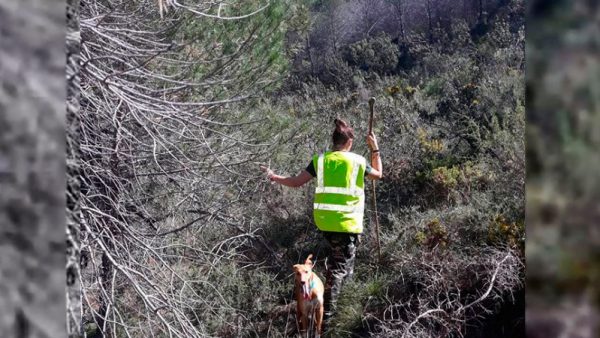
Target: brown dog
(308, 291)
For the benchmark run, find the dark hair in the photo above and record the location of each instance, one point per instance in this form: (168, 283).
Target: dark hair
(342, 133)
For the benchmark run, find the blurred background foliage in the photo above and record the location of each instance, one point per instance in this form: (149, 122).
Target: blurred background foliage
(563, 135)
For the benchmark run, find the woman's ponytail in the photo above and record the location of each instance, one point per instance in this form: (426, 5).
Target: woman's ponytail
(342, 133)
(340, 123)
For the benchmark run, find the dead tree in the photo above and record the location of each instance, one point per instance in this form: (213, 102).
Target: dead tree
(151, 135)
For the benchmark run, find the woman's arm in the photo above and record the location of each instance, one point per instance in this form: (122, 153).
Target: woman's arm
(377, 171)
(292, 181)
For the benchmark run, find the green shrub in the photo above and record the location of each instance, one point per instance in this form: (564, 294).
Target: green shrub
(434, 234)
(378, 54)
(503, 232)
(434, 87)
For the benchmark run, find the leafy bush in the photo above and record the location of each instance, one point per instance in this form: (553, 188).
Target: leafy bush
(433, 235)
(378, 54)
(503, 232)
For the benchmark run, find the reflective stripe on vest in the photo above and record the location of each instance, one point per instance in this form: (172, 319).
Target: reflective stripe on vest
(338, 207)
(345, 207)
(320, 176)
(341, 191)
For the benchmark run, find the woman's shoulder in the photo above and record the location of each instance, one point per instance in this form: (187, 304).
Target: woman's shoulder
(349, 154)
(356, 156)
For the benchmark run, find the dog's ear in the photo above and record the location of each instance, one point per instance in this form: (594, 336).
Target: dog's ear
(308, 260)
(296, 267)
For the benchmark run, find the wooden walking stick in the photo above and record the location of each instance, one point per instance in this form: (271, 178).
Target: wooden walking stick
(373, 199)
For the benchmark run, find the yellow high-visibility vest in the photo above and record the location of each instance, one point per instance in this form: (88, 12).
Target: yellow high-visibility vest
(339, 196)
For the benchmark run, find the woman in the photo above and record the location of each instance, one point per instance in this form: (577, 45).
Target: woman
(339, 202)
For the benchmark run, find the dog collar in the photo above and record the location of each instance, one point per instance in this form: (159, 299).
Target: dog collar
(311, 285)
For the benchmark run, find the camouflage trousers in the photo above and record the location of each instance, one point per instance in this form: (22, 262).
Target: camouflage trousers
(340, 266)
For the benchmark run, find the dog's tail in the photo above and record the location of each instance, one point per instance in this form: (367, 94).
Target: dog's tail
(308, 260)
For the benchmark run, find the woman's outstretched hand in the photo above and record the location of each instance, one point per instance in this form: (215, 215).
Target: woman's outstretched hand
(267, 171)
(293, 181)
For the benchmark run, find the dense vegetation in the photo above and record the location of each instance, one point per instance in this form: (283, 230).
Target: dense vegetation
(182, 236)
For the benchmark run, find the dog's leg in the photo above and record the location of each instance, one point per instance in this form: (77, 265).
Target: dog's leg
(304, 323)
(300, 317)
(319, 319)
